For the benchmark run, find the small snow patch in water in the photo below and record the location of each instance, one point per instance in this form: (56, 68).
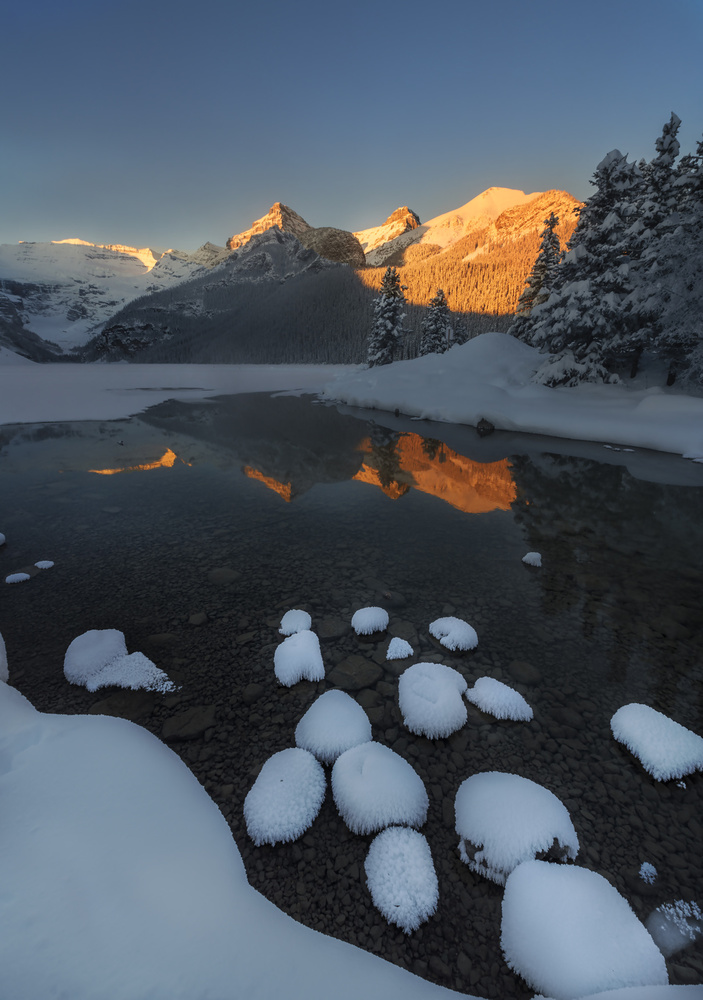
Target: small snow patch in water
(648, 872)
(499, 700)
(398, 649)
(402, 878)
(532, 559)
(285, 798)
(295, 621)
(454, 633)
(365, 621)
(17, 578)
(44, 564)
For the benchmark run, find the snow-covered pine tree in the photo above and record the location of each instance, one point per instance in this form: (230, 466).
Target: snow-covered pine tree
(461, 332)
(387, 327)
(437, 332)
(540, 281)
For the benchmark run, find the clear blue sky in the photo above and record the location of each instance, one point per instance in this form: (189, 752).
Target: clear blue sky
(163, 123)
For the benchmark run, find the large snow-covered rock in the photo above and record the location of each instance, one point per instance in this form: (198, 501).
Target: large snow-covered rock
(374, 787)
(333, 724)
(366, 621)
(299, 658)
(294, 621)
(510, 819)
(402, 878)
(98, 658)
(4, 672)
(499, 699)
(569, 933)
(430, 699)
(454, 633)
(665, 748)
(285, 798)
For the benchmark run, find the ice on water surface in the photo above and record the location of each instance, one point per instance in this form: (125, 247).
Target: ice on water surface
(569, 933)
(402, 878)
(511, 819)
(295, 621)
(665, 748)
(299, 658)
(454, 633)
(430, 699)
(374, 787)
(285, 798)
(365, 621)
(499, 699)
(333, 724)
(398, 649)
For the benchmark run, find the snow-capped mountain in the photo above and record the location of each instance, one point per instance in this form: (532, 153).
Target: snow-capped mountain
(397, 223)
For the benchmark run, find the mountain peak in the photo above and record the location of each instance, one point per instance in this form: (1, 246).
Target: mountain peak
(278, 215)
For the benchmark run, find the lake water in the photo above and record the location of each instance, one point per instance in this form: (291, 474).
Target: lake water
(194, 527)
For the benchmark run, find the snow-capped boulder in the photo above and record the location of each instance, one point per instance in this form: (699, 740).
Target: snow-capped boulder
(398, 649)
(133, 670)
(299, 658)
(374, 787)
(2, 538)
(429, 695)
(499, 699)
(285, 798)
(44, 564)
(295, 621)
(665, 748)
(17, 578)
(401, 877)
(454, 633)
(366, 621)
(532, 559)
(332, 724)
(569, 933)
(99, 658)
(505, 819)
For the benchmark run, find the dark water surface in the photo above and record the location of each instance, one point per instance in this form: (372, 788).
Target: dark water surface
(193, 527)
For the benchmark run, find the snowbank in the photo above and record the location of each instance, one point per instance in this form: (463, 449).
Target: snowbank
(375, 787)
(120, 879)
(512, 819)
(285, 798)
(665, 748)
(500, 700)
(569, 933)
(334, 723)
(402, 878)
(489, 377)
(429, 696)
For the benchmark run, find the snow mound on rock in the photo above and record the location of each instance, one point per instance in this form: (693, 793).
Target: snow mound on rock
(569, 933)
(4, 672)
(365, 621)
(334, 723)
(454, 633)
(511, 819)
(374, 787)
(295, 621)
(398, 649)
(532, 559)
(665, 748)
(44, 564)
(500, 700)
(429, 695)
(299, 658)
(402, 878)
(99, 658)
(285, 798)
(675, 926)
(17, 578)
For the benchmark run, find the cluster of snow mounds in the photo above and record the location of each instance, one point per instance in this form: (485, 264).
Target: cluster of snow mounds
(511, 819)
(532, 559)
(374, 787)
(99, 658)
(398, 649)
(430, 699)
(675, 926)
(665, 748)
(4, 672)
(299, 658)
(401, 877)
(365, 621)
(295, 621)
(333, 723)
(569, 933)
(500, 700)
(454, 633)
(285, 798)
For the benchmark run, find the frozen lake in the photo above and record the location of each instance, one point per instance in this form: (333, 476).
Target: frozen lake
(194, 527)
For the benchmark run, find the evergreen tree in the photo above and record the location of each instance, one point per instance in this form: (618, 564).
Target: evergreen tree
(541, 279)
(387, 327)
(461, 333)
(436, 326)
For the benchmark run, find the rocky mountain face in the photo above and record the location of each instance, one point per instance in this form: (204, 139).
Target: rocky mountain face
(401, 221)
(337, 245)
(279, 215)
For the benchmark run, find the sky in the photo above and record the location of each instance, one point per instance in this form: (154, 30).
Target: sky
(169, 124)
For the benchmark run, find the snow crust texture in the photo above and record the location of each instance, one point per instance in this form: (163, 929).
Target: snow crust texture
(299, 658)
(333, 723)
(569, 933)
(99, 658)
(511, 819)
(430, 699)
(401, 877)
(499, 699)
(665, 748)
(295, 621)
(365, 621)
(285, 798)
(398, 649)
(374, 787)
(454, 633)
